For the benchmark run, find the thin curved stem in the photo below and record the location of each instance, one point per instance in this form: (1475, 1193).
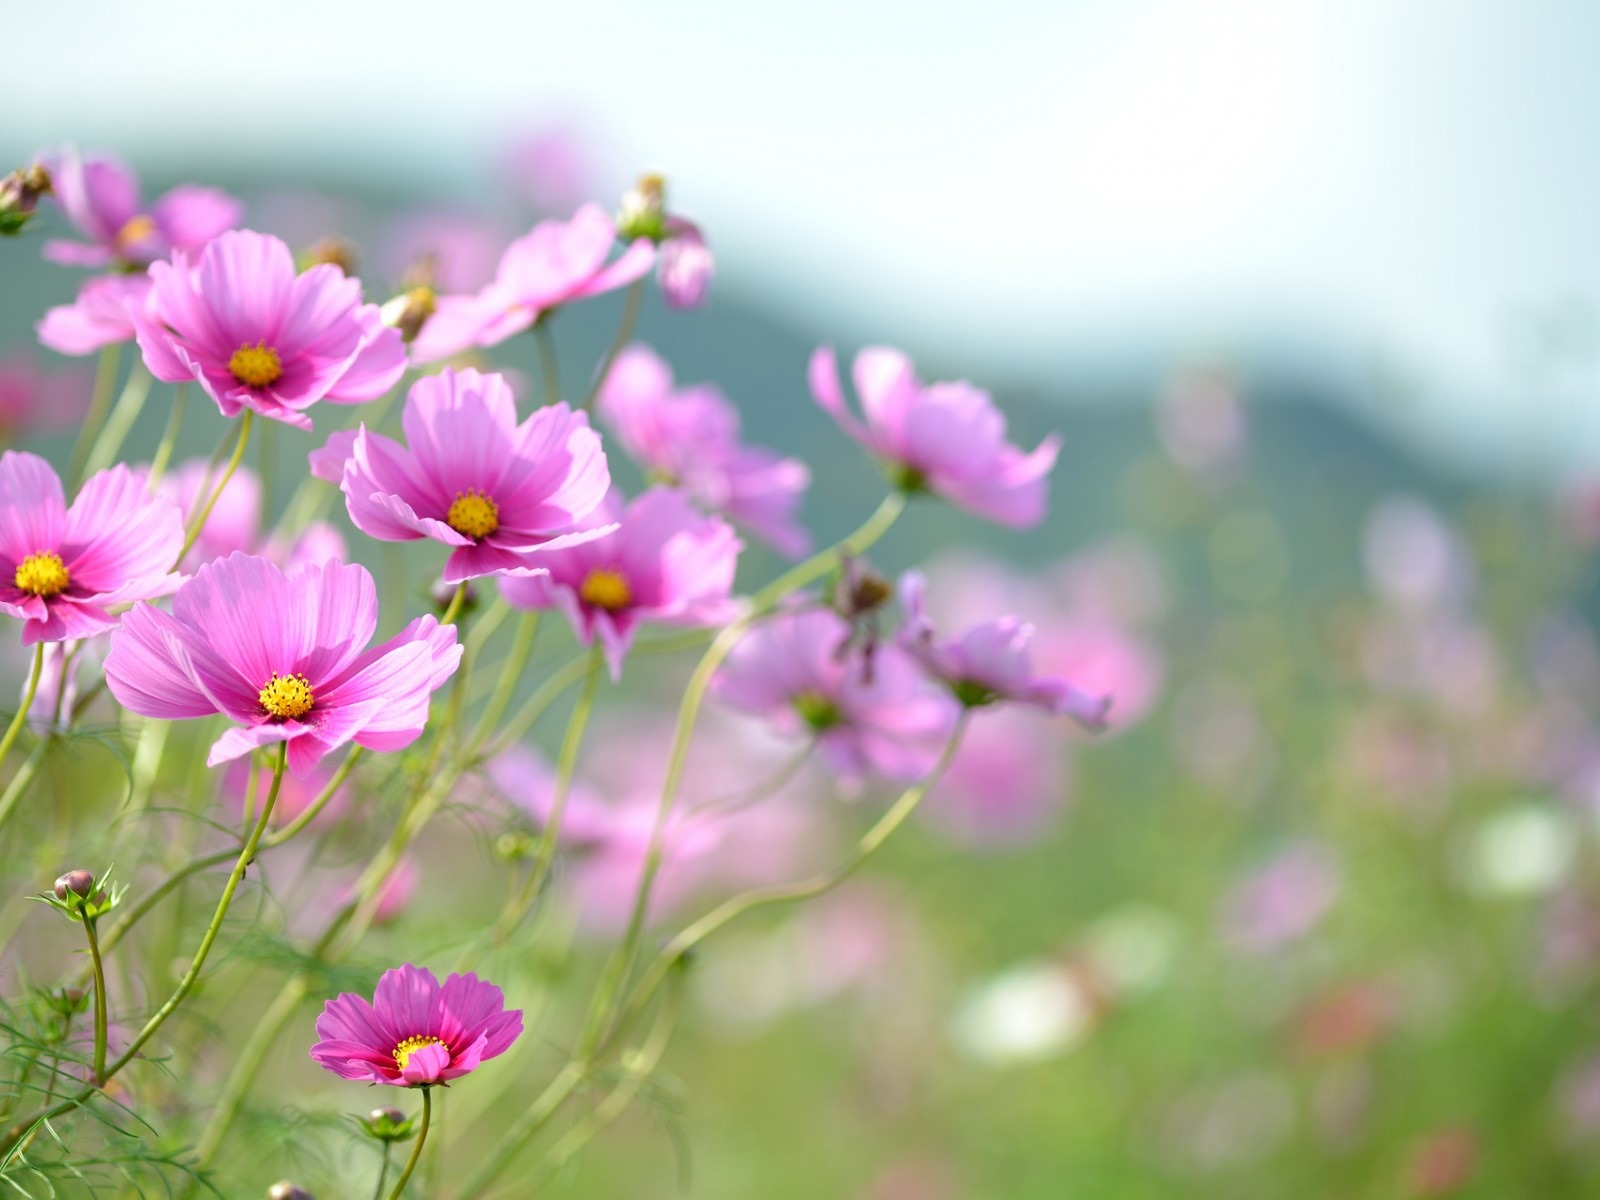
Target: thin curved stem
(21, 717)
(121, 421)
(100, 1022)
(549, 371)
(198, 525)
(169, 439)
(630, 318)
(416, 1150)
(453, 609)
(383, 1171)
(105, 376)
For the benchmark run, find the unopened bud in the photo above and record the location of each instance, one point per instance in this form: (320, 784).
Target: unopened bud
(409, 311)
(388, 1125)
(19, 196)
(644, 210)
(75, 883)
(513, 847)
(285, 1190)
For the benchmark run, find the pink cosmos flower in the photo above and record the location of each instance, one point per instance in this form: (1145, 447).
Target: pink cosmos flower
(254, 334)
(102, 315)
(1282, 900)
(62, 568)
(1005, 786)
(33, 399)
(415, 1033)
(283, 655)
(684, 265)
(665, 563)
(689, 437)
(990, 662)
(555, 264)
(100, 196)
(946, 438)
(501, 495)
(790, 671)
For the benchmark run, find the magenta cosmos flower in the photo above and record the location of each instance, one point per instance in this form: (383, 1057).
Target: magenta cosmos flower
(990, 663)
(102, 315)
(254, 334)
(946, 438)
(689, 437)
(791, 671)
(285, 656)
(415, 1033)
(500, 494)
(62, 568)
(100, 196)
(555, 264)
(665, 563)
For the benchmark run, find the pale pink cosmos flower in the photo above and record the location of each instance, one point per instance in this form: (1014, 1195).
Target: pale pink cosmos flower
(235, 520)
(61, 568)
(666, 563)
(790, 671)
(502, 496)
(689, 437)
(990, 662)
(284, 655)
(415, 1033)
(946, 438)
(100, 196)
(32, 399)
(555, 264)
(1006, 785)
(257, 335)
(1282, 900)
(100, 316)
(684, 265)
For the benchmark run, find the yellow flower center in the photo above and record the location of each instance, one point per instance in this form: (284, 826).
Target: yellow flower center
(404, 1051)
(606, 589)
(256, 366)
(135, 231)
(287, 697)
(473, 514)
(42, 574)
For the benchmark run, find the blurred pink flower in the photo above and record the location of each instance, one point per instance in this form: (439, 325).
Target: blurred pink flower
(684, 265)
(33, 400)
(102, 315)
(1006, 785)
(1282, 900)
(455, 251)
(551, 167)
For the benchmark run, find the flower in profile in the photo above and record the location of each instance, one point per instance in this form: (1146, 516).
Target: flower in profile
(990, 663)
(100, 196)
(100, 316)
(415, 1033)
(684, 264)
(946, 438)
(555, 264)
(254, 334)
(689, 438)
(789, 671)
(285, 656)
(665, 563)
(61, 568)
(500, 494)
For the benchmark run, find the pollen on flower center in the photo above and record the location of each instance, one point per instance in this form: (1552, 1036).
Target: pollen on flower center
(42, 574)
(606, 589)
(135, 230)
(404, 1051)
(256, 366)
(473, 514)
(287, 697)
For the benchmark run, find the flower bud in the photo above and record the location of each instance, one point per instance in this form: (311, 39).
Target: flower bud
(409, 311)
(644, 210)
(19, 196)
(334, 251)
(68, 1000)
(77, 883)
(513, 847)
(285, 1190)
(388, 1125)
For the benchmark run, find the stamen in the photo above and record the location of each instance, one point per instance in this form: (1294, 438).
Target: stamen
(136, 230)
(606, 589)
(42, 574)
(256, 366)
(287, 697)
(404, 1051)
(473, 514)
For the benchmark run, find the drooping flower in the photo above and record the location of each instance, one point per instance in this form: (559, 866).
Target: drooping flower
(789, 671)
(945, 438)
(500, 494)
(684, 262)
(100, 316)
(415, 1033)
(100, 196)
(254, 334)
(61, 568)
(284, 655)
(689, 437)
(665, 563)
(555, 264)
(990, 662)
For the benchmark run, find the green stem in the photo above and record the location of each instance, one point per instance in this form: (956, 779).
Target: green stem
(129, 405)
(383, 1172)
(416, 1150)
(549, 372)
(19, 781)
(197, 526)
(169, 439)
(105, 376)
(21, 718)
(100, 1022)
(527, 1126)
(510, 675)
(453, 610)
(246, 1067)
(630, 317)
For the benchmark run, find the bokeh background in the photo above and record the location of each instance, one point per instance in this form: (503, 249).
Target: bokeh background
(1308, 289)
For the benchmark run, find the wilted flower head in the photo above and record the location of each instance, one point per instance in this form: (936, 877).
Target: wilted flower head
(501, 495)
(100, 196)
(284, 656)
(946, 438)
(255, 334)
(415, 1033)
(664, 563)
(61, 569)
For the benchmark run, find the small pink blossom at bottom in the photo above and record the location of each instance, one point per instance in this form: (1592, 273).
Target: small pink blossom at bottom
(415, 1033)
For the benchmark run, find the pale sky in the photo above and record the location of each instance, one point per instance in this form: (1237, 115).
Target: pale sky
(1414, 184)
